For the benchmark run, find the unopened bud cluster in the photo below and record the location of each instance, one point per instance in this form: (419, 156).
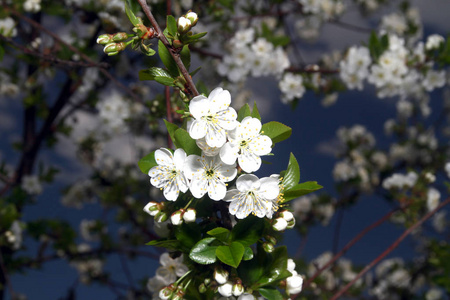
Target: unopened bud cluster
(155, 209)
(114, 43)
(186, 22)
(187, 215)
(228, 288)
(285, 220)
(172, 292)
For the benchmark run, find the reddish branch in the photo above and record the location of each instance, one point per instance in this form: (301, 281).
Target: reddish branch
(173, 52)
(390, 249)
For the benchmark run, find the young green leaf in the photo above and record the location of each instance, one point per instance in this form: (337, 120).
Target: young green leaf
(292, 175)
(203, 253)
(171, 25)
(168, 81)
(248, 253)
(276, 267)
(272, 294)
(130, 14)
(185, 55)
(168, 60)
(147, 162)
(222, 234)
(163, 243)
(153, 72)
(276, 131)
(244, 112)
(171, 128)
(248, 231)
(231, 255)
(255, 112)
(184, 140)
(301, 189)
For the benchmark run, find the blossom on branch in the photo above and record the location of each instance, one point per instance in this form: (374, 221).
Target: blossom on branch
(252, 195)
(246, 144)
(213, 116)
(208, 174)
(168, 174)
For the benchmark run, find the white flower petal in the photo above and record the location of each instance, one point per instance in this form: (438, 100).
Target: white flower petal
(227, 119)
(269, 188)
(228, 153)
(163, 157)
(231, 195)
(192, 165)
(215, 137)
(198, 129)
(199, 106)
(217, 190)
(171, 191)
(179, 157)
(261, 145)
(249, 162)
(199, 186)
(246, 182)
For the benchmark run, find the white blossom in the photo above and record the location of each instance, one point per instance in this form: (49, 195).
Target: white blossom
(8, 27)
(171, 268)
(212, 117)
(433, 197)
(252, 195)
(208, 174)
(168, 174)
(31, 185)
(226, 289)
(292, 87)
(246, 144)
(434, 41)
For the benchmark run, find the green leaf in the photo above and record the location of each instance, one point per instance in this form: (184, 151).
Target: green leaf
(172, 25)
(8, 213)
(300, 190)
(184, 140)
(153, 72)
(185, 55)
(248, 253)
(130, 14)
(222, 234)
(169, 244)
(276, 131)
(203, 253)
(292, 176)
(168, 60)
(244, 112)
(171, 128)
(276, 267)
(255, 112)
(147, 162)
(188, 234)
(193, 38)
(248, 231)
(168, 81)
(231, 255)
(272, 294)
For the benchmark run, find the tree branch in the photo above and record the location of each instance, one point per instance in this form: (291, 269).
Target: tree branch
(389, 249)
(172, 51)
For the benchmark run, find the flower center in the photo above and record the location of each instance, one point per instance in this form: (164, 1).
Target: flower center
(210, 173)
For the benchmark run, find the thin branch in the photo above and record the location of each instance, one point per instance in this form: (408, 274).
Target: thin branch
(389, 249)
(172, 51)
(52, 58)
(75, 50)
(348, 246)
(6, 277)
(351, 26)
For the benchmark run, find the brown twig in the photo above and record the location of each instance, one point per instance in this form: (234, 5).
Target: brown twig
(75, 50)
(348, 246)
(175, 55)
(389, 249)
(6, 277)
(169, 113)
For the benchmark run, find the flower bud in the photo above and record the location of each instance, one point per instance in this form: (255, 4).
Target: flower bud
(279, 224)
(294, 284)
(179, 295)
(238, 289)
(268, 247)
(290, 224)
(114, 48)
(287, 215)
(221, 276)
(161, 217)
(190, 215)
(166, 292)
(192, 16)
(183, 25)
(202, 288)
(246, 297)
(152, 208)
(177, 44)
(177, 217)
(271, 239)
(104, 39)
(226, 289)
(120, 37)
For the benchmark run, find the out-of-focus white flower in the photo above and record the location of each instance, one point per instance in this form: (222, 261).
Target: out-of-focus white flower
(292, 87)
(400, 181)
(433, 80)
(434, 294)
(212, 117)
(433, 197)
(31, 185)
(190, 215)
(168, 174)
(246, 144)
(447, 169)
(434, 41)
(32, 6)
(171, 268)
(252, 196)
(208, 175)
(14, 235)
(8, 27)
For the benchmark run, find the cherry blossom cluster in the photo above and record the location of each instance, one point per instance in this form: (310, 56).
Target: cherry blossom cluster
(251, 55)
(398, 71)
(225, 144)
